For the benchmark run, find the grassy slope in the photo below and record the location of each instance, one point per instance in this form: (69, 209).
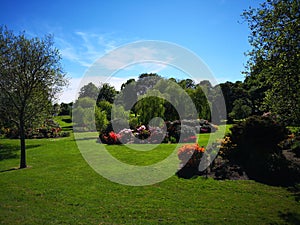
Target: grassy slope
(60, 188)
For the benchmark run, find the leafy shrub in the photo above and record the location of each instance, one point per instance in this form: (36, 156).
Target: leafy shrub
(180, 132)
(101, 121)
(254, 144)
(133, 122)
(65, 134)
(116, 125)
(141, 133)
(50, 129)
(190, 155)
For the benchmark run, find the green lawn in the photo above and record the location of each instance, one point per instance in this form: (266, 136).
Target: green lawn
(61, 188)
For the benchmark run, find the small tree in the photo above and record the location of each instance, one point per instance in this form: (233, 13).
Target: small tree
(31, 76)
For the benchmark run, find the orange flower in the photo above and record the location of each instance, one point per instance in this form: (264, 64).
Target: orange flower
(190, 154)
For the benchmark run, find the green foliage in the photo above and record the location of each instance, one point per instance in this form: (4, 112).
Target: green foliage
(241, 109)
(83, 118)
(49, 129)
(231, 93)
(84, 114)
(149, 107)
(106, 107)
(254, 144)
(201, 102)
(134, 122)
(65, 109)
(107, 93)
(118, 112)
(89, 90)
(275, 37)
(180, 132)
(100, 119)
(85, 102)
(128, 96)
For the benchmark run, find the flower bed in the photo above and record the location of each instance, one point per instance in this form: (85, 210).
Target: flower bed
(150, 135)
(190, 155)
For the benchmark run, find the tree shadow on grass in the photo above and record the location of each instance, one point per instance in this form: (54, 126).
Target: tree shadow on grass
(188, 173)
(68, 128)
(290, 218)
(8, 151)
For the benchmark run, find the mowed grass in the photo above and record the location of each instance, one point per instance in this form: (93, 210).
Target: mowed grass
(59, 187)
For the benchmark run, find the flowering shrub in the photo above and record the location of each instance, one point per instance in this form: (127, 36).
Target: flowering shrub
(50, 129)
(190, 155)
(180, 132)
(156, 135)
(152, 135)
(126, 136)
(141, 133)
(225, 146)
(110, 139)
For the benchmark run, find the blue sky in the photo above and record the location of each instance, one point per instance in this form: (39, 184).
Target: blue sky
(86, 30)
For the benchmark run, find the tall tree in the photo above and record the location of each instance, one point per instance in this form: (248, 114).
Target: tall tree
(89, 90)
(128, 95)
(107, 93)
(275, 38)
(231, 92)
(31, 76)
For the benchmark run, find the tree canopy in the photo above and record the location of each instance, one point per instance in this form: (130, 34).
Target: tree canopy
(90, 90)
(275, 55)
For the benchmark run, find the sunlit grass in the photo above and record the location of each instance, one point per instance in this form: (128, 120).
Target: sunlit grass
(59, 187)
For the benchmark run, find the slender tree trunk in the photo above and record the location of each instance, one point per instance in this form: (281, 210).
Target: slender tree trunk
(23, 147)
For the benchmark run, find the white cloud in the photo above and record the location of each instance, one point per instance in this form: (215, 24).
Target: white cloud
(85, 47)
(70, 93)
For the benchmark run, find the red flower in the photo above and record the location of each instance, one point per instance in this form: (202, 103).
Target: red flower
(113, 136)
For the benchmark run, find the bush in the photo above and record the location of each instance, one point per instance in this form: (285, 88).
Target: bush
(190, 156)
(180, 132)
(50, 129)
(126, 136)
(254, 144)
(157, 135)
(111, 138)
(134, 122)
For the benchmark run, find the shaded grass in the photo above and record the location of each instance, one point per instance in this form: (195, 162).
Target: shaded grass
(60, 188)
(65, 122)
(10, 148)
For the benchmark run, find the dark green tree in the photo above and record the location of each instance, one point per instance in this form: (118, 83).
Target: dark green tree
(241, 109)
(89, 90)
(275, 55)
(146, 81)
(31, 76)
(107, 93)
(128, 95)
(201, 102)
(231, 92)
(66, 109)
